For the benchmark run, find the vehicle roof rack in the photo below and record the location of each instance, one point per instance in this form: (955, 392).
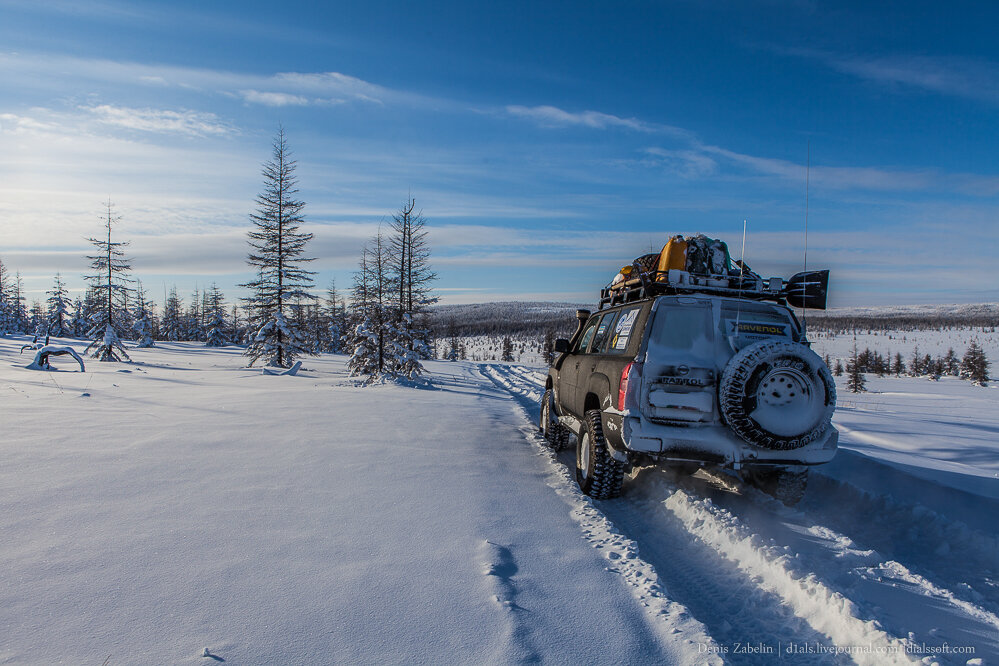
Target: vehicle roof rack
(807, 290)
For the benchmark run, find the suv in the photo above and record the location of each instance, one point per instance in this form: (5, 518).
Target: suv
(689, 379)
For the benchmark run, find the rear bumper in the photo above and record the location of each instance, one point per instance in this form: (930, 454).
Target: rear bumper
(715, 444)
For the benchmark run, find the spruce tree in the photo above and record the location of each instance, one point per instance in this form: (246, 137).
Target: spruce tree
(110, 285)
(58, 309)
(215, 318)
(143, 325)
(6, 307)
(975, 365)
(855, 381)
(277, 253)
(172, 324)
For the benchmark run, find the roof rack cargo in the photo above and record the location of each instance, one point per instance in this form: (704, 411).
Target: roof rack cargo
(804, 290)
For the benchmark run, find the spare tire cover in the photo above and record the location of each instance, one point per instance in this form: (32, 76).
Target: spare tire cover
(777, 394)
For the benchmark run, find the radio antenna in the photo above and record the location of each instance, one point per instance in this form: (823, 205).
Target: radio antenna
(742, 272)
(808, 168)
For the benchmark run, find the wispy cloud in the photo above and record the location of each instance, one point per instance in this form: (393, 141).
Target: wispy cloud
(273, 98)
(192, 123)
(688, 163)
(279, 89)
(945, 75)
(550, 116)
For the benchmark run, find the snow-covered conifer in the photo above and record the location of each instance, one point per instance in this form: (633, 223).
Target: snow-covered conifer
(58, 309)
(975, 365)
(277, 252)
(110, 284)
(143, 325)
(855, 381)
(216, 335)
(6, 306)
(172, 323)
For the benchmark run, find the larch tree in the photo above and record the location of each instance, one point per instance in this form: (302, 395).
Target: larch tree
(278, 254)
(110, 284)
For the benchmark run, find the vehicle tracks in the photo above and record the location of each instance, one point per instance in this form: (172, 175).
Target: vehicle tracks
(847, 568)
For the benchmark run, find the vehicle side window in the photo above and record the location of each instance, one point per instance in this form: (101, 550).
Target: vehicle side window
(584, 339)
(603, 333)
(623, 330)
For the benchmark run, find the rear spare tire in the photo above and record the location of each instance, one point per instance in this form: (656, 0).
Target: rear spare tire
(777, 394)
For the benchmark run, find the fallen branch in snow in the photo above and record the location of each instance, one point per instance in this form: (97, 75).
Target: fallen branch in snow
(41, 361)
(293, 370)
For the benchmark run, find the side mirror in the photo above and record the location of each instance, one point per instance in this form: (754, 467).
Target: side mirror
(561, 346)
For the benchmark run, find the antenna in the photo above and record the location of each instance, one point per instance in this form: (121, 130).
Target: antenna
(742, 272)
(808, 168)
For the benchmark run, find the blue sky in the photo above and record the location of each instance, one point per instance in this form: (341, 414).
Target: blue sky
(547, 143)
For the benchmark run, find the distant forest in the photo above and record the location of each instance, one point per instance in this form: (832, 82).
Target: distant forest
(535, 318)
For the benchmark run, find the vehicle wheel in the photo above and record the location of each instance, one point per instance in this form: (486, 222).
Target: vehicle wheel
(785, 484)
(598, 474)
(556, 434)
(777, 394)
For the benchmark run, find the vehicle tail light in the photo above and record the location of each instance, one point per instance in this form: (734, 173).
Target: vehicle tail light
(631, 372)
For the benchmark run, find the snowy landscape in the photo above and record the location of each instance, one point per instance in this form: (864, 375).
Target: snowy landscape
(183, 508)
(282, 285)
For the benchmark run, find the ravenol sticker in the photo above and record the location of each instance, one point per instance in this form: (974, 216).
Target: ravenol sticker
(754, 328)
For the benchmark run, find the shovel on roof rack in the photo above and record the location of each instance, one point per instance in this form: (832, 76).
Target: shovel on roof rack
(807, 289)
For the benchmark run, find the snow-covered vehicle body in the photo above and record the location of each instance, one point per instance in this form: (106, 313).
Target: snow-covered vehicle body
(688, 380)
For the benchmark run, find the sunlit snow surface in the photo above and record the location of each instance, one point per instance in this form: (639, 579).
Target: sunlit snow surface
(153, 509)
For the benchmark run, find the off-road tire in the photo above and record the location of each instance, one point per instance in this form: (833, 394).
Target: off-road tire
(555, 434)
(785, 484)
(598, 474)
(793, 378)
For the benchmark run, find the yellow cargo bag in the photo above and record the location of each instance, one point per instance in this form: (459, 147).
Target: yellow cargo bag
(672, 256)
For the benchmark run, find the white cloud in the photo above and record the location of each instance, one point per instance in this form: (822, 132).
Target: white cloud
(192, 123)
(550, 116)
(273, 98)
(684, 163)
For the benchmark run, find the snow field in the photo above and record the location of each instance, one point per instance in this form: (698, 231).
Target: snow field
(183, 502)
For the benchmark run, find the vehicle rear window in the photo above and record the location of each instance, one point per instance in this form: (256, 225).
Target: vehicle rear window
(682, 327)
(755, 321)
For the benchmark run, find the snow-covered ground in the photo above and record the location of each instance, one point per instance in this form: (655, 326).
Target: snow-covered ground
(181, 502)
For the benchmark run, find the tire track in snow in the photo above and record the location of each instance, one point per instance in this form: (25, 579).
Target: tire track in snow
(853, 570)
(667, 618)
(827, 611)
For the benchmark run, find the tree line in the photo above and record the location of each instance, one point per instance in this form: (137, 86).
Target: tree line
(973, 366)
(384, 325)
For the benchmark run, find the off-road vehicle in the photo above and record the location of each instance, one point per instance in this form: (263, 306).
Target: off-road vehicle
(690, 372)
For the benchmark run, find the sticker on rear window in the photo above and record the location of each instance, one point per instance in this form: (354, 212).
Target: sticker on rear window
(623, 329)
